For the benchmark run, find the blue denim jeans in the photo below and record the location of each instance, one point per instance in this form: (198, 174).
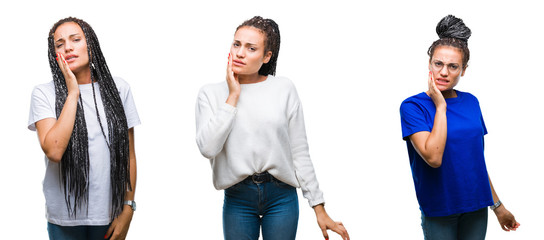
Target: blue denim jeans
(57, 232)
(248, 206)
(465, 226)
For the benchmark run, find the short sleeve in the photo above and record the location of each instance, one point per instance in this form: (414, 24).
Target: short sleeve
(413, 119)
(133, 119)
(484, 128)
(41, 107)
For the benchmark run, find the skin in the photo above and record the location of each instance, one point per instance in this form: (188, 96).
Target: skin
(247, 55)
(54, 134)
(430, 145)
(245, 59)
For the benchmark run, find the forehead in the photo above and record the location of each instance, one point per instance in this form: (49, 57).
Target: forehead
(67, 29)
(448, 54)
(249, 34)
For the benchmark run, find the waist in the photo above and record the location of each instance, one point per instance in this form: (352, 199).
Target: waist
(259, 178)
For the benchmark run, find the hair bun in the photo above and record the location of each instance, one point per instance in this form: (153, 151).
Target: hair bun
(453, 27)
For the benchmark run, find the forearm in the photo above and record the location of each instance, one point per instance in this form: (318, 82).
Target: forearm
(436, 143)
(319, 209)
(54, 138)
(493, 193)
(430, 145)
(133, 167)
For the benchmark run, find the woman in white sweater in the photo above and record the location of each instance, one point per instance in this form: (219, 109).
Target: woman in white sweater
(251, 127)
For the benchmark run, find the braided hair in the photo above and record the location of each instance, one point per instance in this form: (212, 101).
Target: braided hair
(74, 165)
(272, 41)
(452, 32)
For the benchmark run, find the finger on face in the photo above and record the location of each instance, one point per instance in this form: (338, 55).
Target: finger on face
(59, 59)
(229, 64)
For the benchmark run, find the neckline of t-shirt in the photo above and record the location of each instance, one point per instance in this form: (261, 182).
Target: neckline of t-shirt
(261, 83)
(87, 86)
(449, 100)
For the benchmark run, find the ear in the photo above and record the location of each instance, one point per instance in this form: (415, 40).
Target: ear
(267, 57)
(464, 69)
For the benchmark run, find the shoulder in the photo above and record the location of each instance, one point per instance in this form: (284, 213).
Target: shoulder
(121, 84)
(282, 86)
(281, 81)
(416, 105)
(44, 88)
(466, 96)
(212, 88)
(419, 98)
(213, 91)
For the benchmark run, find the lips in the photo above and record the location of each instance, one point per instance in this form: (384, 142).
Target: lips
(238, 63)
(442, 81)
(70, 57)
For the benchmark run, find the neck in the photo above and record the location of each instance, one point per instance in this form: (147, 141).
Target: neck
(84, 77)
(253, 78)
(449, 93)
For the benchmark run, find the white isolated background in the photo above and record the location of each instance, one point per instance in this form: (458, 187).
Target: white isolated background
(353, 63)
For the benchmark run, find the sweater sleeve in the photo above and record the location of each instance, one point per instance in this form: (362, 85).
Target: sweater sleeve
(213, 124)
(304, 169)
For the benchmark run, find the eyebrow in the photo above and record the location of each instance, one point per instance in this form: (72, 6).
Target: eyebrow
(440, 61)
(247, 43)
(62, 39)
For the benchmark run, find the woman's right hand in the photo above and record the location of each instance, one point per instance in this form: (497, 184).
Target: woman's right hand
(435, 93)
(233, 83)
(69, 77)
(430, 145)
(54, 134)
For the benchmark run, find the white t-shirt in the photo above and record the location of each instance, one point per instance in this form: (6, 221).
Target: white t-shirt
(264, 132)
(43, 106)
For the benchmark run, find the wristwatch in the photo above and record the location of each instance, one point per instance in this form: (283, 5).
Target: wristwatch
(132, 204)
(496, 205)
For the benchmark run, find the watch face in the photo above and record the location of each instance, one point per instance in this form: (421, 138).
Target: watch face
(132, 204)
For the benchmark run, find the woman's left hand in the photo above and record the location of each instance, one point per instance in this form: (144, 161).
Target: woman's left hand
(506, 219)
(325, 223)
(119, 227)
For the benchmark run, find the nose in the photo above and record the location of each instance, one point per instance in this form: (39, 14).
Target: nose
(240, 53)
(444, 71)
(68, 46)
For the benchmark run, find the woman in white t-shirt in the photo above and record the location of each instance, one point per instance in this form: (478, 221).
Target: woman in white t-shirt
(84, 119)
(251, 127)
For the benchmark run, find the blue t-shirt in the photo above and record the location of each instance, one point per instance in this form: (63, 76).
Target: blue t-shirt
(461, 183)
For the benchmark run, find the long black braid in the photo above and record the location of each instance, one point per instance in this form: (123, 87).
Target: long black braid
(74, 166)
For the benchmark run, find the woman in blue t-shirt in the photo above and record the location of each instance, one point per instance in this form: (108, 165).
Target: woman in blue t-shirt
(444, 132)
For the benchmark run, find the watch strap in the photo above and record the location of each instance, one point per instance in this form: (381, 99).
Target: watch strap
(496, 205)
(131, 203)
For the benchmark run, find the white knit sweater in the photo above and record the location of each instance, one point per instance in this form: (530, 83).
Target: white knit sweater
(265, 132)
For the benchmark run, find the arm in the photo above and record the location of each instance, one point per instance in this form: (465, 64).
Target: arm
(306, 174)
(54, 134)
(213, 126)
(505, 217)
(120, 225)
(430, 145)
(325, 223)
